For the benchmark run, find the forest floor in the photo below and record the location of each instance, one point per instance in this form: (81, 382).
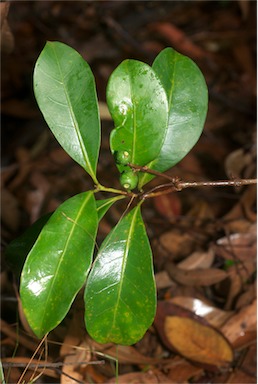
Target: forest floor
(207, 236)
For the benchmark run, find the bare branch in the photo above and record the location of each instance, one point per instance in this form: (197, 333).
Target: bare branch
(177, 184)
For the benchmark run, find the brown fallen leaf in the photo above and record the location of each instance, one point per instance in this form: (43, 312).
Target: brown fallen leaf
(197, 260)
(77, 353)
(197, 277)
(197, 342)
(70, 368)
(127, 354)
(238, 246)
(247, 296)
(216, 317)
(181, 370)
(163, 280)
(247, 371)
(242, 322)
(93, 375)
(238, 376)
(238, 275)
(176, 243)
(239, 217)
(150, 377)
(74, 351)
(192, 336)
(236, 225)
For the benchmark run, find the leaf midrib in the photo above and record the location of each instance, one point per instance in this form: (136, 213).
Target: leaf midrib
(84, 152)
(170, 100)
(74, 224)
(126, 252)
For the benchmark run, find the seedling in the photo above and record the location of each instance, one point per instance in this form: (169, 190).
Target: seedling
(159, 113)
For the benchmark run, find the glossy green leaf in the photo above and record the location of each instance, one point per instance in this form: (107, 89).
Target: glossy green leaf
(120, 294)
(138, 105)
(104, 205)
(188, 102)
(57, 266)
(18, 249)
(64, 87)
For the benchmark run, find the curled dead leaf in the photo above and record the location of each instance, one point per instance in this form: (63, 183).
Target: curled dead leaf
(196, 260)
(238, 246)
(197, 277)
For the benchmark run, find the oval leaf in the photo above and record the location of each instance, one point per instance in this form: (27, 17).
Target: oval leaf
(65, 91)
(187, 102)
(197, 342)
(120, 292)
(138, 105)
(57, 266)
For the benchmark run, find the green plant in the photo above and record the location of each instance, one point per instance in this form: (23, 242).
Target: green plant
(159, 113)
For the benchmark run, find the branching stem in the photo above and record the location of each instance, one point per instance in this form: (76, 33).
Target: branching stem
(175, 184)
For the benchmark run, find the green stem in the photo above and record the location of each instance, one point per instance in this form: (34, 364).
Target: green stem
(102, 188)
(94, 179)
